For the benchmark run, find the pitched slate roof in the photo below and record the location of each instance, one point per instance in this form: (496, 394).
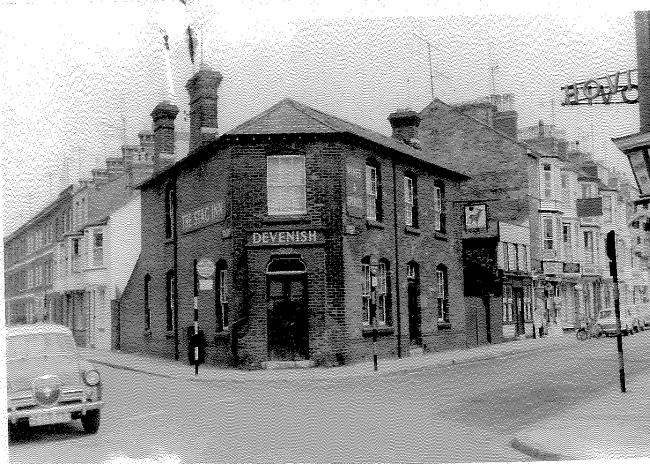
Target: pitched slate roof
(291, 117)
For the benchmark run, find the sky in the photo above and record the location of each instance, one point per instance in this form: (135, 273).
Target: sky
(81, 78)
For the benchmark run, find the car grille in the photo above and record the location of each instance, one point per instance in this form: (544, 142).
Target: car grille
(47, 390)
(25, 399)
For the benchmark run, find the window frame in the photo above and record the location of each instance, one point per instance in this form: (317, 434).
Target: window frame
(373, 192)
(410, 200)
(221, 286)
(439, 224)
(272, 185)
(170, 303)
(442, 286)
(170, 212)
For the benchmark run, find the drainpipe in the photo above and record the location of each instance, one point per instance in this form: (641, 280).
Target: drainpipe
(233, 338)
(397, 265)
(175, 315)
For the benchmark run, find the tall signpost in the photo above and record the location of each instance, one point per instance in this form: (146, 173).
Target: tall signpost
(611, 254)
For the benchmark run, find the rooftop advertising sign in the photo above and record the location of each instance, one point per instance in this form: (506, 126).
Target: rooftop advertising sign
(619, 87)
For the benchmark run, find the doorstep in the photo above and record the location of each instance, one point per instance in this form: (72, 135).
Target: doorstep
(287, 364)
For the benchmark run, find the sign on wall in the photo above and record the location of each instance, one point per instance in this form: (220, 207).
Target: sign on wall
(355, 188)
(476, 217)
(285, 237)
(212, 213)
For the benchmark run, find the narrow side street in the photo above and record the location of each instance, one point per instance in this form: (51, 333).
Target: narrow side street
(464, 412)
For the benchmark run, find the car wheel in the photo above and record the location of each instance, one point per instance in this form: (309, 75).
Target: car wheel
(90, 421)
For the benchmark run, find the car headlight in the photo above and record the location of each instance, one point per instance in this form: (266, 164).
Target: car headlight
(91, 377)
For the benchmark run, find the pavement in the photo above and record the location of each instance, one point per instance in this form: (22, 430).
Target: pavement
(610, 426)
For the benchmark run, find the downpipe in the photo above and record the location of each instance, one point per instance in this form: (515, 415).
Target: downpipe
(234, 338)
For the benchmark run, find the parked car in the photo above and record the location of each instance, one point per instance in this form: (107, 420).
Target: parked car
(607, 321)
(47, 381)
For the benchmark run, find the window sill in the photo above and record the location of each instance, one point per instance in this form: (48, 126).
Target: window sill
(376, 224)
(169, 334)
(286, 219)
(367, 330)
(146, 333)
(223, 335)
(440, 235)
(412, 230)
(169, 240)
(444, 325)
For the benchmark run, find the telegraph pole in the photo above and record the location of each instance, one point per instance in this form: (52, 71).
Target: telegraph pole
(611, 254)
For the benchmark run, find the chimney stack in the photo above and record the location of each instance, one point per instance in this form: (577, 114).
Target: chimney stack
(163, 116)
(202, 88)
(405, 125)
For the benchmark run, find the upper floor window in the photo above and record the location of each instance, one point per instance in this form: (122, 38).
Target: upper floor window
(76, 254)
(439, 222)
(589, 246)
(373, 193)
(548, 184)
(410, 201)
(286, 184)
(566, 238)
(170, 213)
(98, 249)
(607, 209)
(548, 233)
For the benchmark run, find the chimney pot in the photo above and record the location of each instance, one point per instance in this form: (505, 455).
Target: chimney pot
(405, 125)
(163, 116)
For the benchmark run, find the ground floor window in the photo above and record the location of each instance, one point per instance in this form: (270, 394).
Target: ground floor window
(528, 307)
(443, 299)
(170, 300)
(507, 304)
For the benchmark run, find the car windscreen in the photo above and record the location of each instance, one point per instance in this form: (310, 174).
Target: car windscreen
(31, 345)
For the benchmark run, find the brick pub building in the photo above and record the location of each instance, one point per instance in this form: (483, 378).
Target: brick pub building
(315, 225)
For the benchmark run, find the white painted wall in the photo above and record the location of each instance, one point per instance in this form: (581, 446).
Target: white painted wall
(124, 244)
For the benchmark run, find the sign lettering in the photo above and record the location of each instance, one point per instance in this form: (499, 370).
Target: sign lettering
(355, 188)
(285, 237)
(606, 87)
(209, 214)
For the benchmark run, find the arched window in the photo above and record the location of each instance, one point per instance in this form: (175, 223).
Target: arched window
(170, 213)
(365, 290)
(383, 292)
(170, 300)
(221, 286)
(147, 309)
(443, 297)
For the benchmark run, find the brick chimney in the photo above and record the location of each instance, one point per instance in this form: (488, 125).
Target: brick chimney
(163, 116)
(202, 88)
(405, 127)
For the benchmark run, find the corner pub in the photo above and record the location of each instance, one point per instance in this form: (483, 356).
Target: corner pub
(319, 230)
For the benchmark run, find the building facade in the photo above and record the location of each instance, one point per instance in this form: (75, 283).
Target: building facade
(320, 233)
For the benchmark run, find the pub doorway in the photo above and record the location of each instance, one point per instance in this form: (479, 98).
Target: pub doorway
(518, 296)
(287, 318)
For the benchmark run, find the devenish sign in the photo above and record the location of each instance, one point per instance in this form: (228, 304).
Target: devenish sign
(613, 88)
(285, 237)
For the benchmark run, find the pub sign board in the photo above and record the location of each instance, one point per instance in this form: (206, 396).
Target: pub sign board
(355, 185)
(210, 213)
(285, 237)
(475, 217)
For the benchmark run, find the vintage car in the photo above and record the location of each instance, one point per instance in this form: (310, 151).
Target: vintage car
(47, 381)
(607, 321)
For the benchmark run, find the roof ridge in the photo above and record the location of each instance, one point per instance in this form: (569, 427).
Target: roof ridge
(306, 109)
